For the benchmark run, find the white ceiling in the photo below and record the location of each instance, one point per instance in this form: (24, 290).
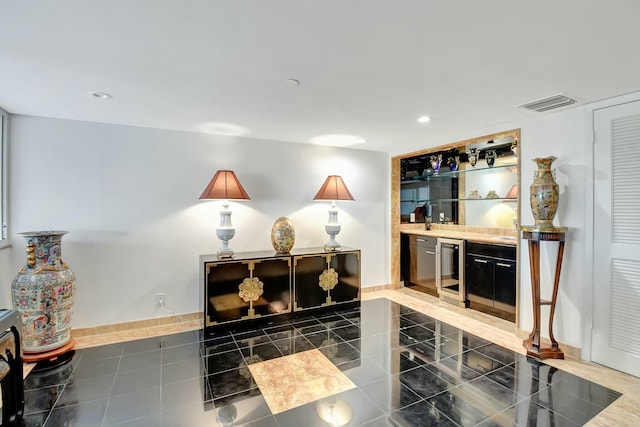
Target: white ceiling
(367, 68)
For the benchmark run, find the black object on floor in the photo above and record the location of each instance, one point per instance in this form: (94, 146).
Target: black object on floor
(11, 367)
(45, 365)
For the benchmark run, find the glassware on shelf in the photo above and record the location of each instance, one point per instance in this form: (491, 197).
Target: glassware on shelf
(453, 163)
(474, 194)
(472, 155)
(490, 157)
(436, 162)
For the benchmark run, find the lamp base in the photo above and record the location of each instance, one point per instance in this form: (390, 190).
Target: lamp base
(332, 228)
(332, 246)
(225, 253)
(225, 233)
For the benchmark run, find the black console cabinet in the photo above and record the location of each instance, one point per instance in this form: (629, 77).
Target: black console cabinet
(324, 279)
(256, 285)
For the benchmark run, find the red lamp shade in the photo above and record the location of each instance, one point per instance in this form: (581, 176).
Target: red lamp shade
(333, 189)
(225, 186)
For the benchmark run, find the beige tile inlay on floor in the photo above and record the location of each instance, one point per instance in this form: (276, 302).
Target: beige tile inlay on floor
(292, 381)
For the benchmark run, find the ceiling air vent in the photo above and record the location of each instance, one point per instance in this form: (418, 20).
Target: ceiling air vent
(549, 103)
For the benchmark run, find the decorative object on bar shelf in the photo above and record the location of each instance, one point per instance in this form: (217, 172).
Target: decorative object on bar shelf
(43, 292)
(472, 156)
(283, 235)
(492, 195)
(512, 194)
(474, 194)
(490, 157)
(453, 163)
(514, 147)
(436, 162)
(544, 194)
(225, 186)
(333, 189)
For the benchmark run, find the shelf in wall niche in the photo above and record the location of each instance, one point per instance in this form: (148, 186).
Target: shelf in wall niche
(450, 174)
(498, 199)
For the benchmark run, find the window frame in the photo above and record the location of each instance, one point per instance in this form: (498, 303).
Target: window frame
(4, 178)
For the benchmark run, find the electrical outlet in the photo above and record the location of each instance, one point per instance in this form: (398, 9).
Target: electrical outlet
(161, 299)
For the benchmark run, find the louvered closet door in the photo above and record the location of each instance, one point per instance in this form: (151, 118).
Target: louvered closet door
(616, 322)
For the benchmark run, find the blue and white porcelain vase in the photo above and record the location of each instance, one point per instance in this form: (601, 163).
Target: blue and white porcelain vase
(453, 163)
(436, 162)
(43, 293)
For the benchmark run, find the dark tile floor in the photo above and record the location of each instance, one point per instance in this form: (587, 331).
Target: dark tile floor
(410, 370)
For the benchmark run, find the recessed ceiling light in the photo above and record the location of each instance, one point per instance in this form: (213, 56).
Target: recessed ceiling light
(424, 119)
(292, 82)
(100, 95)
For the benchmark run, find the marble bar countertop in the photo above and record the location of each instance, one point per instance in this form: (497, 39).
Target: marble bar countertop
(496, 237)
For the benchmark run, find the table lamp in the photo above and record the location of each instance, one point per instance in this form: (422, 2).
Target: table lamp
(513, 192)
(333, 189)
(225, 186)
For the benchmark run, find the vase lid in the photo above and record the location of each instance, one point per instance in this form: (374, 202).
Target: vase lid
(43, 233)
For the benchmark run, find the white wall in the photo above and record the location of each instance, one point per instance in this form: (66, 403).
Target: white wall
(129, 198)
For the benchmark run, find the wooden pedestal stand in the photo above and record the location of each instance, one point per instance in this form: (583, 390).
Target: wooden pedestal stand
(535, 236)
(51, 355)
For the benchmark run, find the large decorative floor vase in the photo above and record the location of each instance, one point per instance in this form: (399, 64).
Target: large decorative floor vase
(43, 292)
(544, 194)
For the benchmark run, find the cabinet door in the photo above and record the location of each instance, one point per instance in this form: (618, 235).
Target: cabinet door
(246, 289)
(423, 258)
(505, 291)
(480, 277)
(326, 279)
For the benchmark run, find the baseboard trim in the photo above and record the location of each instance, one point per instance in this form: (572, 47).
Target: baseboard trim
(166, 320)
(375, 288)
(136, 324)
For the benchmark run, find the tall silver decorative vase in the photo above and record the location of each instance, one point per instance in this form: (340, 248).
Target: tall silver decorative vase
(43, 293)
